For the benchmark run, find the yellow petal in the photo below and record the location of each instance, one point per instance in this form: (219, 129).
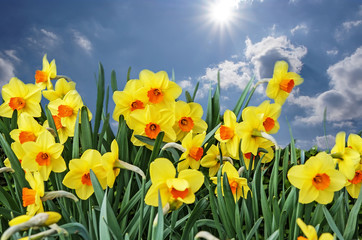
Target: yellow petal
(193, 177)
(161, 169)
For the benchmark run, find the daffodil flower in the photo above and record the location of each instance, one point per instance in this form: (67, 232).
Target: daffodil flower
(317, 179)
(28, 129)
(282, 83)
(265, 157)
(21, 97)
(187, 118)
(62, 87)
(32, 196)
(173, 190)
(310, 232)
(194, 151)
(158, 87)
(78, 177)
(354, 185)
(19, 153)
(270, 113)
(347, 158)
(44, 155)
(43, 77)
(212, 159)
(227, 136)
(238, 185)
(132, 98)
(64, 132)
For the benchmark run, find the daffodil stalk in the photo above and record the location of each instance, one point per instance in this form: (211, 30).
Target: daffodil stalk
(266, 136)
(165, 210)
(56, 194)
(173, 145)
(241, 170)
(62, 76)
(6, 169)
(123, 165)
(206, 235)
(54, 228)
(224, 158)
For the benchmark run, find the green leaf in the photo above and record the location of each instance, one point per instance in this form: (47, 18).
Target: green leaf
(99, 104)
(157, 146)
(188, 97)
(157, 232)
(254, 228)
(352, 218)
(14, 120)
(86, 132)
(113, 81)
(331, 223)
(129, 74)
(195, 215)
(195, 91)
(98, 190)
(241, 100)
(77, 229)
(274, 236)
(75, 149)
(51, 122)
(210, 134)
(103, 220)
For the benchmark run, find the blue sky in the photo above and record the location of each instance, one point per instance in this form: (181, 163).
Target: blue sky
(321, 40)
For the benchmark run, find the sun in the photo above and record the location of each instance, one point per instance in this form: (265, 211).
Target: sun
(223, 11)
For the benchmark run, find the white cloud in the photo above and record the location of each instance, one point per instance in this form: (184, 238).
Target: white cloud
(344, 97)
(300, 28)
(82, 41)
(350, 24)
(7, 71)
(12, 55)
(332, 52)
(49, 34)
(43, 38)
(321, 141)
(186, 84)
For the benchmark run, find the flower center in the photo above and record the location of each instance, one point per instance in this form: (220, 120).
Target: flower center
(137, 105)
(186, 124)
(57, 122)
(321, 181)
(86, 179)
(226, 132)
(287, 85)
(155, 95)
(179, 194)
(65, 111)
(28, 196)
(17, 103)
(152, 130)
(357, 177)
(26, 136)
(41, 76)
(43, 159)
(268, 124)
(196, 153)
(233, 186)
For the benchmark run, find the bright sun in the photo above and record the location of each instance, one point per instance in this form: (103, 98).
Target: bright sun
(222, 11)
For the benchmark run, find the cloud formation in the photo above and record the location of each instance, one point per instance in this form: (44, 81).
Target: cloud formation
(342, 99)
(43, 38)
(82, 41)
(7, 69)
(299, 28)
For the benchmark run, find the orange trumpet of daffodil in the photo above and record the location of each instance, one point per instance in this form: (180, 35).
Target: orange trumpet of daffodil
(21, 97)
(173, 190)
(270, 114)
(194, 151)
(32, 196)
(282, 83)
(28, 129)
(317, 179)
(44, 155)
(78, 177)
(43, 77)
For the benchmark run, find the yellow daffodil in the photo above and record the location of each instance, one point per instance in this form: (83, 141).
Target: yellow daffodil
(354, 185)
(63, 131)
(158, 87)
(249, 131)
(194, 151)
(265, 157)
(67, 108)
(21, 97)
(188, 117)
(62, 87)
(53, 217)
(19, 153)
(132, 98)
(282, 83)
(44, 155)
(317, 179)
(310, 232)
(49, 71)
(270, 113)
(212, 159)
(227, 136)
(347, 158)
(173, 190)
(78, 177)
(28, 129)
(32, 196)
(150, 122)
(238, 185)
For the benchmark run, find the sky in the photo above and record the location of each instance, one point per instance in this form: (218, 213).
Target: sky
(320, 39)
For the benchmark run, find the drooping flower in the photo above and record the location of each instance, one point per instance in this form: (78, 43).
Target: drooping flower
(347, 158)
(32, 196)
(53, 217)
(43, 77)
(227, 136)
(194, 151)
(78, 177)
(238, 185)
(187, 118)
(62, 87)
(28, 129)
(158, 87)
(150, 122)
(173, 190)
(282, 83)
(310, 232)
(265, 157)
(21, 97)
(44, 155)
(270, 113)
(132, 98)
(317, 179)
